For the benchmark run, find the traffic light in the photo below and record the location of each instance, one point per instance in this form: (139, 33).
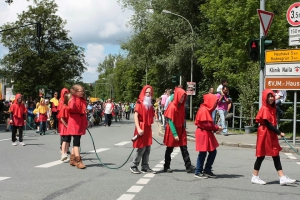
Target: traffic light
(175, 79)
(38, 29)
(268, 43)
(254, 50)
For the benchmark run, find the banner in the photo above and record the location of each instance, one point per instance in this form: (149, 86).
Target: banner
(191, 88)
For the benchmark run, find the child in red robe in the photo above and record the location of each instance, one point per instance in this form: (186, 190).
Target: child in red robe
(142, 141)
(17, 119)
(77, 123)
(63, 118)
(175, 133)
(205, 138)
(267, 140)
(60, 105)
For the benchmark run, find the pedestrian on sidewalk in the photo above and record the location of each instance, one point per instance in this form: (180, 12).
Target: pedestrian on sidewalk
(205, 138)
(142, 140)
(267, 140)
(17, 119)
(175, 133)
(77, 123)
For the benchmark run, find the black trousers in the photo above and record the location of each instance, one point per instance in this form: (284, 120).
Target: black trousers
(14, 132)
(54, 115)
(185, 155)
(276, 160)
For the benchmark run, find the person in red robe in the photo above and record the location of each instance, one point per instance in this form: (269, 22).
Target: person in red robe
(77, 123)
(175, 133)
(205, 139)
(17, 119)
(60, 105)
(267, 140)
(63, 118)
(142, 140)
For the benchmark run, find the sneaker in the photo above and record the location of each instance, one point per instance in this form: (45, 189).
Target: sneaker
(135, 170)
(64, 157)
(144, 171)
(210, 175)
(22, 144)
(257, 180)
(191, 169)
(14, 144)
(200, 175)
(168, 170)
(284, 180)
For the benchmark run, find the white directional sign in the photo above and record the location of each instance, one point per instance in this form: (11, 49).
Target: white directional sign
(287, 69)
(294, 31)
(265, 18)
(294, 41)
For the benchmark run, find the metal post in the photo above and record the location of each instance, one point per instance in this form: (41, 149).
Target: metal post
(180, 80)
(262, 55)
(146, 74)
(295, 117)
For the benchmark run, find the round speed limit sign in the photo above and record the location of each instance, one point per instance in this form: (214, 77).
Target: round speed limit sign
(293, 14)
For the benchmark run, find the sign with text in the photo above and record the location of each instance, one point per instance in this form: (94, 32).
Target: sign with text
(286, 69)
(283, 55)
(191, 88)
(282, 83)
(294, 31)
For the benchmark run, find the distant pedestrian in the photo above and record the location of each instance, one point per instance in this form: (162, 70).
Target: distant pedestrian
(267, 140)
(205, 138)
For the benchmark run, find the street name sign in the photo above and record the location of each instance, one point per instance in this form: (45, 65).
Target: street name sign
(282, 56)
(282, 83)
(285, 69)
(265, 18)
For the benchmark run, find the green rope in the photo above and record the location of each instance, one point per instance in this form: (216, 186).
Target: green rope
(157, 141)
(191, 136)
(291, 146)
(100, 159)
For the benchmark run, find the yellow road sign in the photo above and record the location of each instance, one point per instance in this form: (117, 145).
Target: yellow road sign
(283, 55)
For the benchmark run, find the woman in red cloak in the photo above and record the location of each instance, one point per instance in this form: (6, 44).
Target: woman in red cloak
(142, 140)
(205, 138)
(175, 133)
(267, 140)
(77, 123)
(17, 119)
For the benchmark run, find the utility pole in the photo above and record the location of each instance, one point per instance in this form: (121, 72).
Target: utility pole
(262, 56)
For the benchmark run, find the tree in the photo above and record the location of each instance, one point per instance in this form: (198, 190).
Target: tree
(51, 60)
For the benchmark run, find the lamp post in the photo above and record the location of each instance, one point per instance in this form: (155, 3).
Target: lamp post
(191, 99)
(111, 88)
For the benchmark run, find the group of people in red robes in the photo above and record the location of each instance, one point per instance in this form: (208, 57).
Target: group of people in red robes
(205, 140)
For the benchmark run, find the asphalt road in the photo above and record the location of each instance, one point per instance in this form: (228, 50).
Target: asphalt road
(35, 172)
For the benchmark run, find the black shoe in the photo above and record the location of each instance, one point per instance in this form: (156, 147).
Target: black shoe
(191, 169)
(168, 170)
(210, 175)
(7, 130)
(144, 171)
(135, 170)
(200, 175)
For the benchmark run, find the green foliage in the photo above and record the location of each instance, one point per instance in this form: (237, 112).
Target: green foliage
(51, 60)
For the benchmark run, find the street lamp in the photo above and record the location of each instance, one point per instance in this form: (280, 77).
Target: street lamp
(191, 99)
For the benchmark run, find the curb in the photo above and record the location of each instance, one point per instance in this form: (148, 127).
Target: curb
(285, 149)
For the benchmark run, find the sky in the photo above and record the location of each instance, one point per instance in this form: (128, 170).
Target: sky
(96, 25)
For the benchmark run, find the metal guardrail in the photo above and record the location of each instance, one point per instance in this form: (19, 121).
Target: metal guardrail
(240, 117)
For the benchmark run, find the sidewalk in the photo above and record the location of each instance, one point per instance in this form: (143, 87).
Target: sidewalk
(235, 140)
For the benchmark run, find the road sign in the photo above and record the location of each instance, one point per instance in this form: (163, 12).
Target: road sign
(286, 69)
(282, 56)
(294, 31)
(265, 18)
(191, 88)
(293, 14)
(282, 83)
(294, 41)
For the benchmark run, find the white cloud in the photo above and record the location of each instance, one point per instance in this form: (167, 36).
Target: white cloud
(93, 24)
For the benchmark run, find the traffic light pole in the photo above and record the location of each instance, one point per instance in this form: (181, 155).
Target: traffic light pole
(262, 57)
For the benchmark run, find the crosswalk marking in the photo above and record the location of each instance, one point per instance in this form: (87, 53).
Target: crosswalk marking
(51, 164)
(5, 139)
(122, 143)
(3, 178)
(143, 181)
(99, 150)
(135, 189)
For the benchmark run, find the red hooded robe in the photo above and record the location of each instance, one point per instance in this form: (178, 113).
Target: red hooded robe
(146, 120)
(18, 110)
(176, 113)
(205, 139)
(59, 107)
(267, 141)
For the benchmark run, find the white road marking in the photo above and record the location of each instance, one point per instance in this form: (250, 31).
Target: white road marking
(122, 143)
(298, 163)
(135, 189)
(292, 157)
(162, 162)
(156, 169)
(5, 139)
(149, 175)
(4, 178)
(143, 181)
(159, 165)
(51, 164)
(288, 154)
(126, 197)
(99, 150)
